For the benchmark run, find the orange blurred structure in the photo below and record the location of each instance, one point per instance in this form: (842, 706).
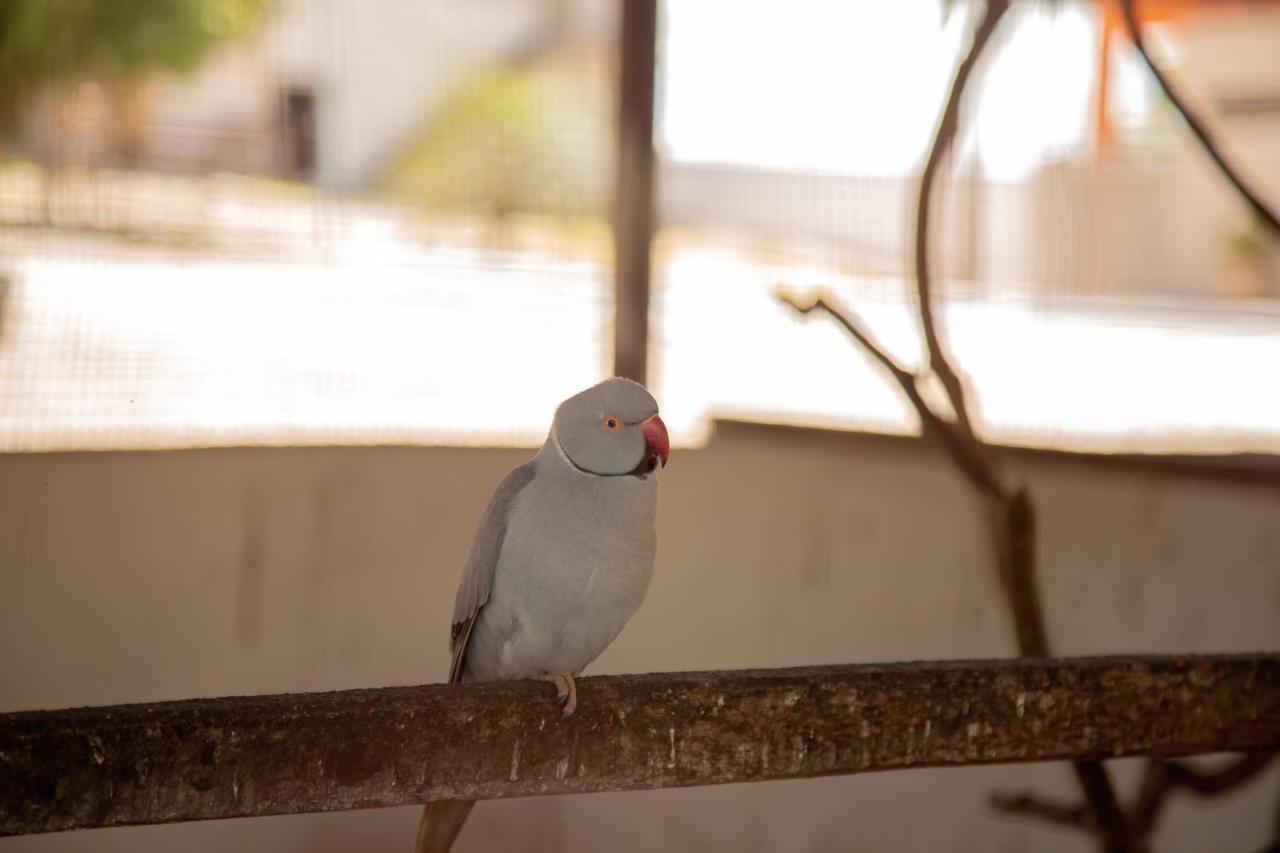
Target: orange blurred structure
(1146, 12)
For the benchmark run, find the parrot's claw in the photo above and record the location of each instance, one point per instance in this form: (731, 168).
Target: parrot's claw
(566, 690)
(570, 703)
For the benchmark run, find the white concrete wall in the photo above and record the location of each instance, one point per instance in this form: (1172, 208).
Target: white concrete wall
(164, 575)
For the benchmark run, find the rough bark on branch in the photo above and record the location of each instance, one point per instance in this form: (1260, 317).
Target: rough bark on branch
(288, 754)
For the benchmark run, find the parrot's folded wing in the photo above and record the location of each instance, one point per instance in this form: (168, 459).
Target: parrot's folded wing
(477, 574)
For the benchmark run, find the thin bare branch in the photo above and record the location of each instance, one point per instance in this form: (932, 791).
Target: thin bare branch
(942, 142)
(965, 450)
(1112, 826)
(1121, 838)
(1197, 124)
(1164, 777)
(853, 326)
(1010, 517)
(1032, 805)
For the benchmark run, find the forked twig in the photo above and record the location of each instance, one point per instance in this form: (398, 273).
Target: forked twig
(824, 302)
(1010, 514)
(1011, 524)
(1033, 805)
(1164, 777)
(966, 451)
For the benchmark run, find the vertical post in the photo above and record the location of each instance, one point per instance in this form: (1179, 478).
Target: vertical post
(633, 189)
(1102, 101)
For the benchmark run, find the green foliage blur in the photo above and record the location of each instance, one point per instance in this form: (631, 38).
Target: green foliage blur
(46, 42)
(512, 140)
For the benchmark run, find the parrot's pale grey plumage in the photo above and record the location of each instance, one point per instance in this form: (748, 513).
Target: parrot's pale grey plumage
(562, 556)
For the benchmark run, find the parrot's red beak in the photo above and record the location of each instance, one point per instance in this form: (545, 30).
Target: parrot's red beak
(655, 436)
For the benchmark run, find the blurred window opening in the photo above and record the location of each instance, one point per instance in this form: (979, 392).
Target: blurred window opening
(387, 222)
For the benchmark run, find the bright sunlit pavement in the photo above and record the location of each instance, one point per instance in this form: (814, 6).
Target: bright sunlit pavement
(386, 342)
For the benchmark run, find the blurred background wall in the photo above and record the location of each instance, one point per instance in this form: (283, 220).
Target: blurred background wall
(295, 236)
(282, 299)
(175, 574)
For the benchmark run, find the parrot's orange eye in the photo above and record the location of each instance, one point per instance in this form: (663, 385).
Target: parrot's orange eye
(611, 423)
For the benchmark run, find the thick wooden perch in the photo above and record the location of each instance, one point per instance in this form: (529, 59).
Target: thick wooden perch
(287, 754)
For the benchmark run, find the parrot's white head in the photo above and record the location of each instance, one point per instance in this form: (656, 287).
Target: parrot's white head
(612, 429)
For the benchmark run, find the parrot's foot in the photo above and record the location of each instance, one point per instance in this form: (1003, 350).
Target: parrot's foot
(566, 690)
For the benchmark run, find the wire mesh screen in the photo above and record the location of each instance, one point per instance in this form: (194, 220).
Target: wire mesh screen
(373, 224)
(387, 222)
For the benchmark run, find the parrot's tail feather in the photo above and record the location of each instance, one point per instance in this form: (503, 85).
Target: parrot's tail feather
(441, 822)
